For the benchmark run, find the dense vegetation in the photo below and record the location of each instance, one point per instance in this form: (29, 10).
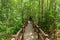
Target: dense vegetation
(46, 13)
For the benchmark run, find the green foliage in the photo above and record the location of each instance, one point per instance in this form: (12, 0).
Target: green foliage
(11, 15)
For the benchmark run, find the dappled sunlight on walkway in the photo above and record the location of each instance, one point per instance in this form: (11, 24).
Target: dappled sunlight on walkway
(29, 33)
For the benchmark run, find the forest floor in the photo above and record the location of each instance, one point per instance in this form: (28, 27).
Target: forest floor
(58, 34)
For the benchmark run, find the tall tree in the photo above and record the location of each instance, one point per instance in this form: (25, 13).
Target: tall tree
(0, 10)
(22, 7)
(54, 8)
(39, 12)
(7, 10)
(42, 10)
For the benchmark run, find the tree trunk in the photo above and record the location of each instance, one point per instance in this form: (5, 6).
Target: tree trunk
(39, 13)
(22, 10)
(42, 10)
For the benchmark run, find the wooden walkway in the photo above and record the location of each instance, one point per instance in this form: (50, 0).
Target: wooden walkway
(30, 31)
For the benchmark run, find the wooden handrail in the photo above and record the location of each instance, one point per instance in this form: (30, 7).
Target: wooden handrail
(42, 35)
(20, 33)
(40, 30)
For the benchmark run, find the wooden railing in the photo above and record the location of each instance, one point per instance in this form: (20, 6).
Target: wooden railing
(40, 32)
(19, 35)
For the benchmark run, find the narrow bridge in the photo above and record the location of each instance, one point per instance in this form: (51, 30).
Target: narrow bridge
(30, 31)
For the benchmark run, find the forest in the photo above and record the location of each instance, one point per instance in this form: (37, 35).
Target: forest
(46, 13)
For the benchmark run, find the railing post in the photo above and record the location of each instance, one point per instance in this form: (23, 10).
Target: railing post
(23, 30)
(46, 37)
(14, 37)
